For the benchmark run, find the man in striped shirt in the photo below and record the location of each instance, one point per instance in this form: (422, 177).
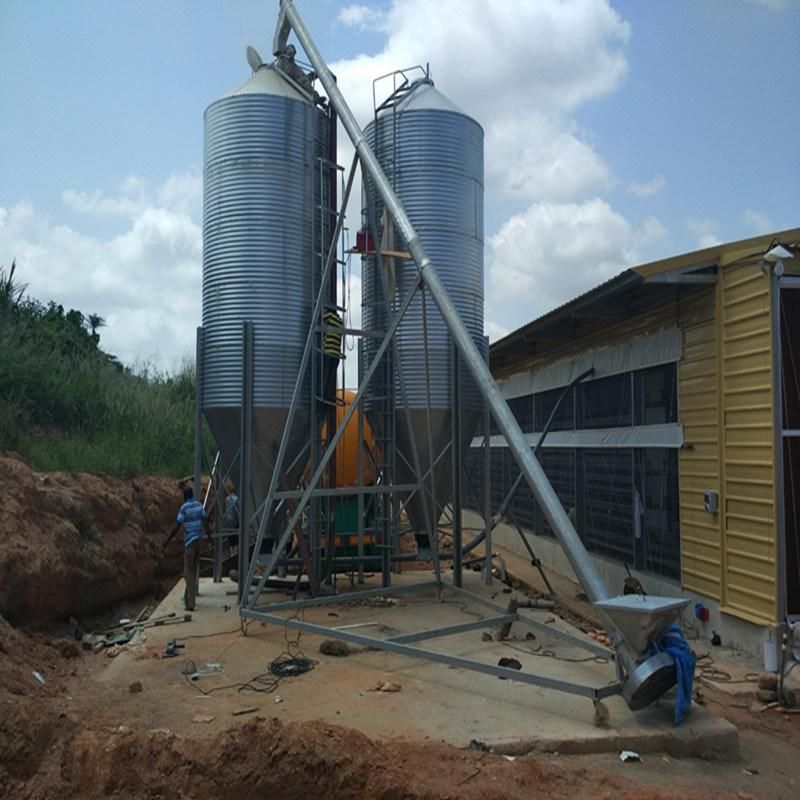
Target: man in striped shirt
(192, 516)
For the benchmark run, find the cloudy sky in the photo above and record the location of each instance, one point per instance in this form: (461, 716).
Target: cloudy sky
(617, 132)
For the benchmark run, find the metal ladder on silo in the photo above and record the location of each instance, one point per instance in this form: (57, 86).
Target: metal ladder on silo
(326, 221)
(388, 522)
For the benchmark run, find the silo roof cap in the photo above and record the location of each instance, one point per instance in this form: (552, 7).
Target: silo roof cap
(268, 80)
(424, 96)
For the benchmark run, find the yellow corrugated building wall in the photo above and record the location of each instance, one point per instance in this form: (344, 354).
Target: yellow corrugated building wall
(726, 405)
(699, 464)
(748, 488)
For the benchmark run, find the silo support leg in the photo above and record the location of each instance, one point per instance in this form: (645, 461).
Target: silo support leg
(198, 415)
(250, 600)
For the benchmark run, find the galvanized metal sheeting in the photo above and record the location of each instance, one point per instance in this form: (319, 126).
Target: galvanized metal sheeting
(262, 233)
(261, 187)
(432, 153)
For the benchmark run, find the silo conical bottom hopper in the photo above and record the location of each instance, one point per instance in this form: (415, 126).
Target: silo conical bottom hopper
(441, 434)
(268, 424)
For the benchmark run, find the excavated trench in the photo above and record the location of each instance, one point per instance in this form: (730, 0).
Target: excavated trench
(73, 544)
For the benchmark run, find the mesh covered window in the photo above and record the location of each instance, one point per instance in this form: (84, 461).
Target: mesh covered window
(605, 403)
(559, 466)
(499, 475)
(657, 525)
(655, 395)
(523, 506)
(545, 402)
(472, 484)
(522, 409)
(606, 511)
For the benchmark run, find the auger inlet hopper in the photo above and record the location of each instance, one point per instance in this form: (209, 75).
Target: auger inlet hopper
(641, 620)
(432, 153)
(261, 238)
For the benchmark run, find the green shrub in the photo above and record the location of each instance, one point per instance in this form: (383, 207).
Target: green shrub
(67, 405)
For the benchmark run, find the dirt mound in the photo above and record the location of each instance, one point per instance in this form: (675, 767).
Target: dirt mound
(72, 543)
(32, 674)
(266, 758)
(22, 655)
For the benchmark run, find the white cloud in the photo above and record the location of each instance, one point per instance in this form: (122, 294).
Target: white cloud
(705, 232)
(100, 204)
(181, 191)
(757, 221)
(552, 252)
(362, 17)
(553, 163)
(144, 281)
(520, 73)
(648, 188)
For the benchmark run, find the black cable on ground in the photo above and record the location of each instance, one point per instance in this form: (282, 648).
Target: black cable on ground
(705, 670)
(538, 651)
(290, 663)
(209, 635)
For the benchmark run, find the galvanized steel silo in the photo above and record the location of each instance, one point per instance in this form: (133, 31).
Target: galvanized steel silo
(432, 152)
(262, 233)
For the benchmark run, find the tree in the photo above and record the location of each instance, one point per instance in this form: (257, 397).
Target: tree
(95, 321)
(10, 292)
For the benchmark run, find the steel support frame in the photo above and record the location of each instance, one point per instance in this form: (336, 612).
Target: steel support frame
(456, 458)
(360, 497)
(266, 507)
(200, 449)
(587, 573)
(463, 343)
(324, 459)
(429, 281)
(416, 464)
(215, 483)
(219, 476)
(263, 510)
(351, 561)
(486, 497)
(348, 491)
(313, 492)
(402, 644)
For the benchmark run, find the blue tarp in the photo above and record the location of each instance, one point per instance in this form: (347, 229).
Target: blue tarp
(674, 643)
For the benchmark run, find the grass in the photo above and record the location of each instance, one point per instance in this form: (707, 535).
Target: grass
(67, 405)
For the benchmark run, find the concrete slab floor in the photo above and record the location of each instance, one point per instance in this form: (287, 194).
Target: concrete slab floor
(435, 701)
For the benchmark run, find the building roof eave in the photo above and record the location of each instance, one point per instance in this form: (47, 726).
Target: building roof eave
(655, 279)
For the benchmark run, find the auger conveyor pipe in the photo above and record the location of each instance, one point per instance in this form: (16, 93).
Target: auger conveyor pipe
(576, 553)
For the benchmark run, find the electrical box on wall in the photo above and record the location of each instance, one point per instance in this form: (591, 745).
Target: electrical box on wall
(711, 501)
